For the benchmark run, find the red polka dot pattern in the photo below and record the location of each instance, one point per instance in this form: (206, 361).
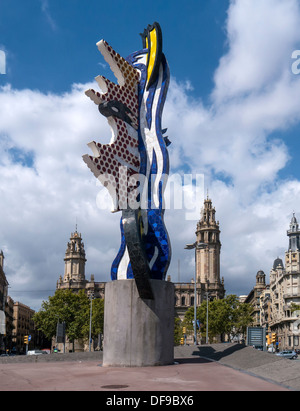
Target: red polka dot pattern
(120, 152)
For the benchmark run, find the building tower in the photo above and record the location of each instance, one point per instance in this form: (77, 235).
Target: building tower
(292, 255)
(260, 280)
(74, 275)
(75, 281)
(208, 258)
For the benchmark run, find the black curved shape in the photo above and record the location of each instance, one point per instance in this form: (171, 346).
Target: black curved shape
(117, 109)
(133, 228)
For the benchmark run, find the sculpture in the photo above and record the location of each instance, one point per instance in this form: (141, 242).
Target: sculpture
(134, 166)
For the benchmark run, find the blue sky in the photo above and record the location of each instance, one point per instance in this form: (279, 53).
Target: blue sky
(232, 114)
(51, 45)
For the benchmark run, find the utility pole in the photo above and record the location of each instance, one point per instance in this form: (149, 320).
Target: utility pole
(196, 246)
(91, 311)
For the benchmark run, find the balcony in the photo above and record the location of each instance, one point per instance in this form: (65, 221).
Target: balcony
(293, 294)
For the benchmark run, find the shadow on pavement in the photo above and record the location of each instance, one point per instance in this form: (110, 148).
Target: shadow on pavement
(192, 360)
(210, 352)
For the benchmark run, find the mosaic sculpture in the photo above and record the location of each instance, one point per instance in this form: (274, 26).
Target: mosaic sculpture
(134, 166)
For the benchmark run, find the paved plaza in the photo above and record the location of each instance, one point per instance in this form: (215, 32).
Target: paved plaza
(220, 367)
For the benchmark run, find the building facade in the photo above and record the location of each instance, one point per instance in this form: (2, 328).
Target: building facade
(285, 292)
(9, 313)
(255, 296)
(276, 306)
(3, 283)
(3, 296)
(23, 325)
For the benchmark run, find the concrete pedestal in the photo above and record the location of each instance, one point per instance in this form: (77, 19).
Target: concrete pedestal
(138, 333)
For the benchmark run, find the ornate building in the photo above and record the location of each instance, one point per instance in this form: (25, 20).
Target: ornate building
(207, 260)
(74, 274)
(285, 292)
(274, 304)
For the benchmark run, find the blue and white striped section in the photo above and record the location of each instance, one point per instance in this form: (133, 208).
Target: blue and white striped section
(155, 167)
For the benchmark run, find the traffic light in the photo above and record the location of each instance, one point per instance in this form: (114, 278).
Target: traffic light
(184, 330)
(268, 340)
(273, 338)
(25, 339)
(181, 340)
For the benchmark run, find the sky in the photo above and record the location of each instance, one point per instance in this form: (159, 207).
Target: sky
(232, 113)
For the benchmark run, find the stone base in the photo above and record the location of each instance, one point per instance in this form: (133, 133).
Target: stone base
(138, 333)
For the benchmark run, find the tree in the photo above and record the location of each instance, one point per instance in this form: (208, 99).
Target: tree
(242, 319)
(74, 310)
(97, 318)
(294, 307)
(177, 330)
(225, 316)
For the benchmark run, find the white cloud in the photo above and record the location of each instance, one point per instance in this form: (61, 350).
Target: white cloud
(40, 204)
(230, 141)
(255, 94)
(261, 37)
(45, 10)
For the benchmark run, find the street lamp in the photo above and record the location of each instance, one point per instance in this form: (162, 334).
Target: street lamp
(196, 246)
(91, 310)
(207, 312)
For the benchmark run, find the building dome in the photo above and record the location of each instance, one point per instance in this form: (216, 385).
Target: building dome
(294, 219)
(278, 262)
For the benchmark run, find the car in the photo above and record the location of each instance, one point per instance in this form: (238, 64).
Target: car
(36, 352)
(288, 354)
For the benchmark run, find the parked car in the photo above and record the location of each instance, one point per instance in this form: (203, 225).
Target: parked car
(36, 352)
(288, 354)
